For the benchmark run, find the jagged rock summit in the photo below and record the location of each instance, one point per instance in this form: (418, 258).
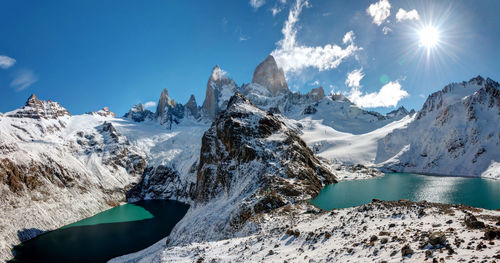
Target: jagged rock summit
(219, 90)
(267, 74)
(39, 109)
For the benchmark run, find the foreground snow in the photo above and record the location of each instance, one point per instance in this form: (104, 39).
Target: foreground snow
(376, 232)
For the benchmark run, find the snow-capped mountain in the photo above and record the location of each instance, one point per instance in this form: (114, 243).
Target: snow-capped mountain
(250, 163)
(456, 133)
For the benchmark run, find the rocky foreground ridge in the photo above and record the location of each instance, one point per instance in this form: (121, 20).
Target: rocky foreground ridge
(382, 231)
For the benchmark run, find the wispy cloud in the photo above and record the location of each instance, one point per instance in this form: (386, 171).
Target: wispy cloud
(293, 57)
(379, 11)
(6, 62)
(276, 10)
(23, 79)
(388, 96)
(354, 77)
(149, 104)
(407, 15)
(349, 37)
(257, 3)
(386, 30)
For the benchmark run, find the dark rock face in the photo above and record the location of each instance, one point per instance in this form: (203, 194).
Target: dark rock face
(317, 94)
(268, 74)
(161, 182)
(168, 111)
(237, 148)
(38, 109)
(192, 107)
(139, 114)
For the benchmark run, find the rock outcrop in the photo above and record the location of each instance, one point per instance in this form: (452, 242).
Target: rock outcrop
(267, 74)
(250, 163)
(139, 114)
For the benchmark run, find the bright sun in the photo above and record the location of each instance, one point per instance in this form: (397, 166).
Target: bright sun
(429, 37)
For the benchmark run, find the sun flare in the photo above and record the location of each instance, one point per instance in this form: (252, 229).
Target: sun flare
(429, 37)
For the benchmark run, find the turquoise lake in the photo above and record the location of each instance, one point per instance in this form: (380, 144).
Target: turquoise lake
(118, 231)
(484, 193)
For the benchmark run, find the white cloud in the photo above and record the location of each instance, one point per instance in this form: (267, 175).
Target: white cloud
(354, 77)
(257, 3)
(149, 104)
(275, 10)
(348, 37)
(388, 96)
(23, 80)
(386, 30)
(379, 11)
(407, 15)
(293, 57)
(6, 62)
(421, 96)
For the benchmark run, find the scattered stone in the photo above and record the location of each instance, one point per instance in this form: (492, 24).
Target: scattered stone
(406, 250)
(373, 238)
(472, 222)
(437, 239)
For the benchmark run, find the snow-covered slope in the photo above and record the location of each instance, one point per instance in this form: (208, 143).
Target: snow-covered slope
(456, 133)
(56, 168)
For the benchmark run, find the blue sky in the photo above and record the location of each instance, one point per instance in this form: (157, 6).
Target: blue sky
(90, 54)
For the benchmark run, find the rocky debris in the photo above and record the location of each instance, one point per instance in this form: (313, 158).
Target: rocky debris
(350, 235)
(38, 109)
(139, 114)
(104, 112)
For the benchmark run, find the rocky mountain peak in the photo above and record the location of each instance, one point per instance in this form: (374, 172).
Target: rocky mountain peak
(39, 109)
(139, 114)
(192, 107)
(401, 111)
(268, 74)
(317, 93)
(104, 112)
(164, 102)
(219, 90)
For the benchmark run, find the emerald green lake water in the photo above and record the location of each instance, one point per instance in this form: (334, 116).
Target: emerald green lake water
(484, 193)
(118, 231)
